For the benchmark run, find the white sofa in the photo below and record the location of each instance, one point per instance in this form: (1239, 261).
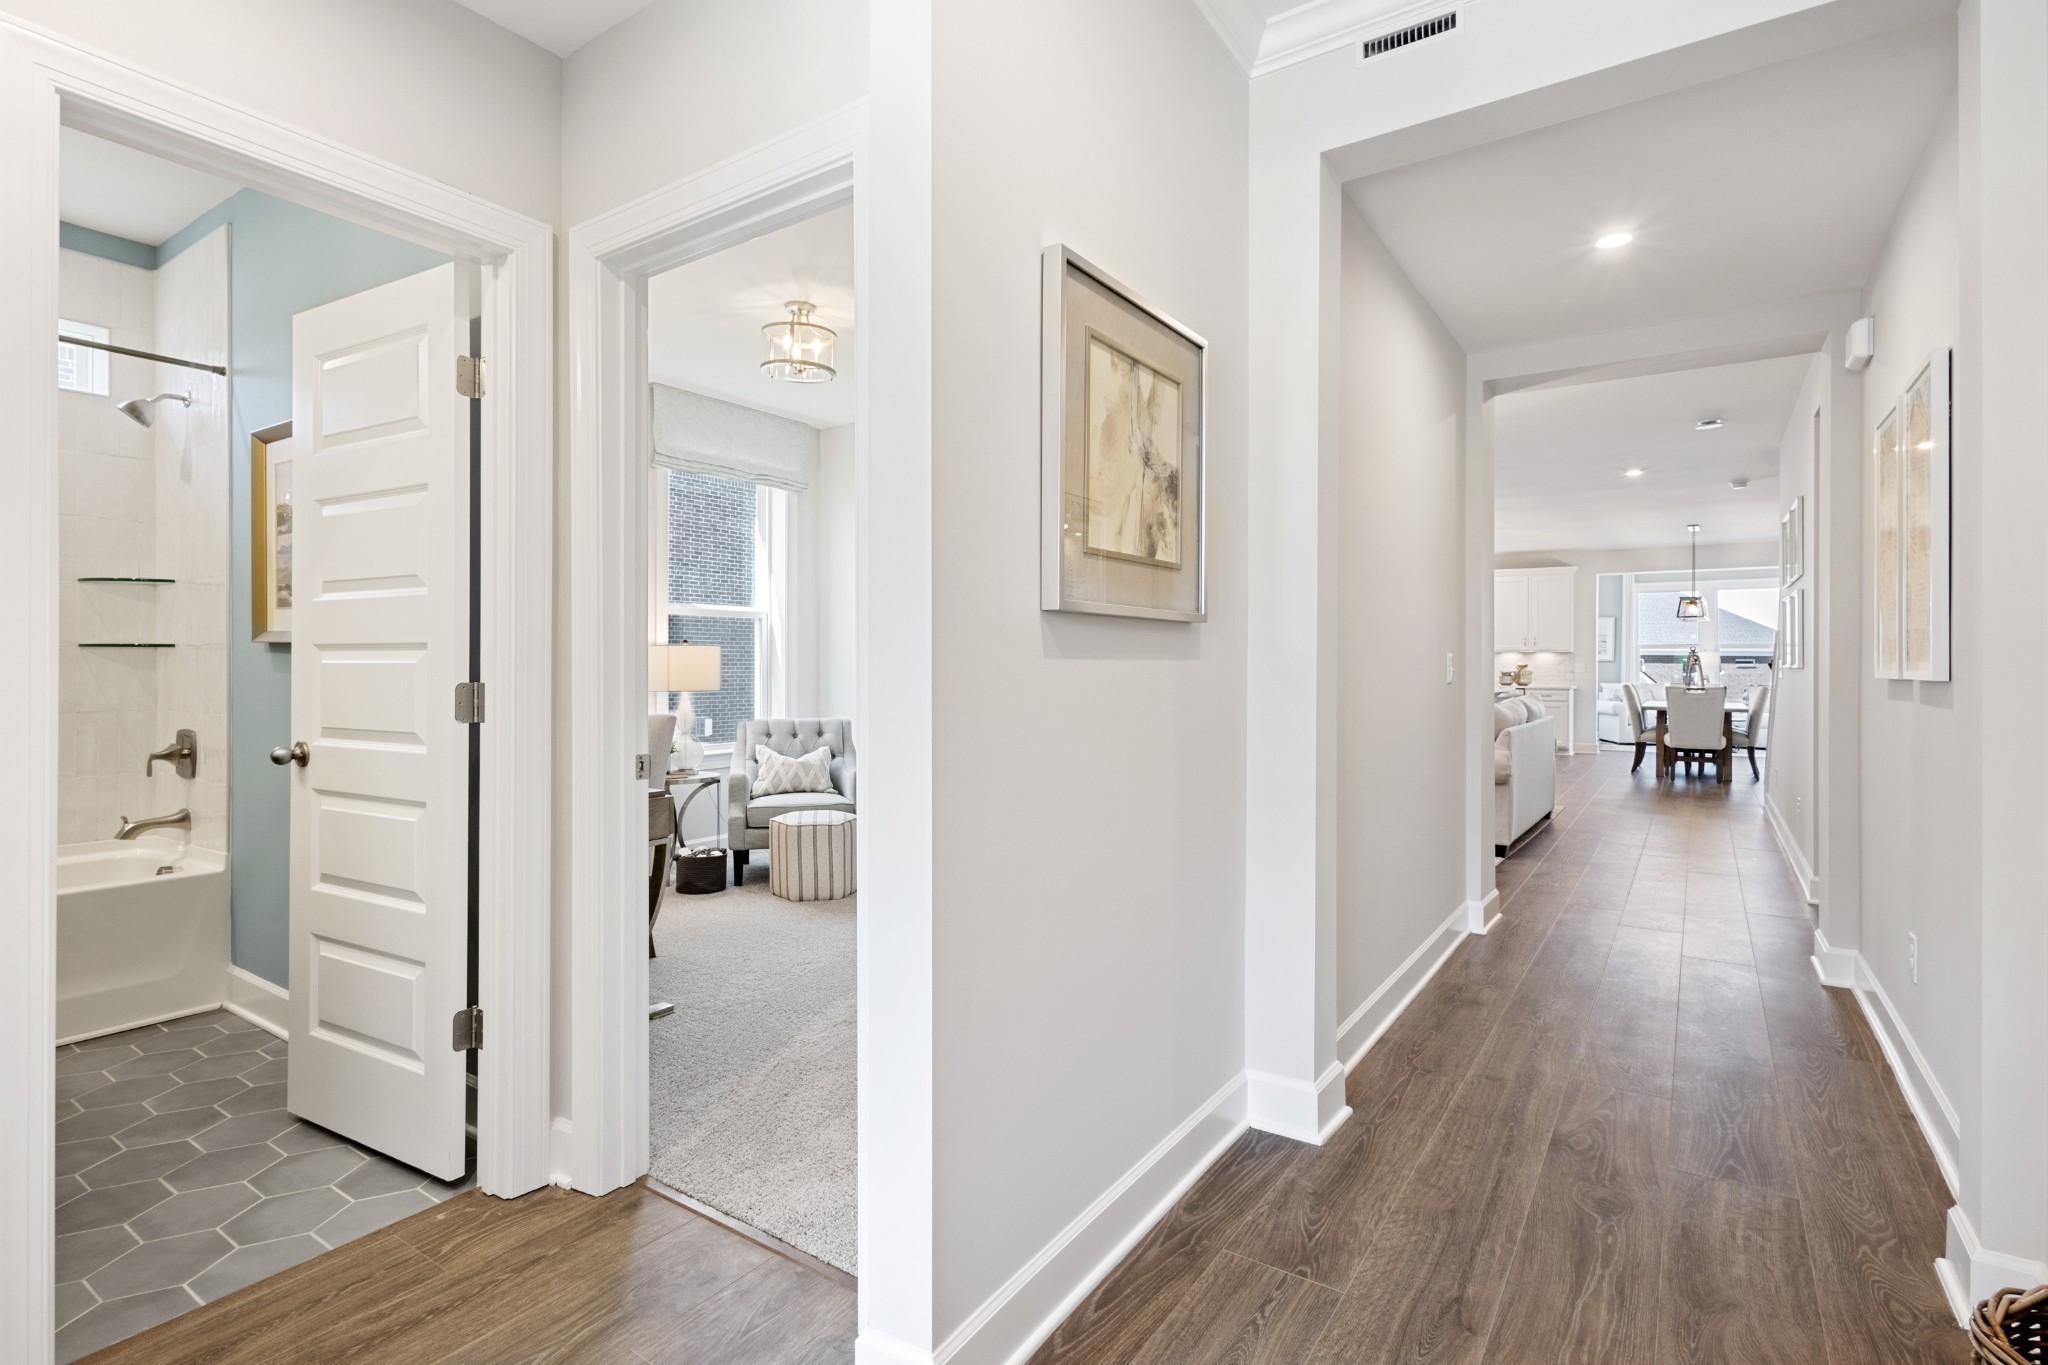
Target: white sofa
(1524, 769)
(1612, 716)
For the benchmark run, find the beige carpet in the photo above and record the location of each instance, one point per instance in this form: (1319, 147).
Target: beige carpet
(752, 1086)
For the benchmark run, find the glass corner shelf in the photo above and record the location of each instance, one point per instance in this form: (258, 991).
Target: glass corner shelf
(126, 644)
(109, 578)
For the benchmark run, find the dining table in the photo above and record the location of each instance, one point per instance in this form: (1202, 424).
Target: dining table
(1653, 718)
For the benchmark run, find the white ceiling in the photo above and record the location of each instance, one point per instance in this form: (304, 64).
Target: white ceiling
(1773, 184)
(1559, 454)
(704, 319)
(111, 188)
(557, 25)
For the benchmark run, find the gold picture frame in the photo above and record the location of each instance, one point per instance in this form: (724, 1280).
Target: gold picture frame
(270, 534)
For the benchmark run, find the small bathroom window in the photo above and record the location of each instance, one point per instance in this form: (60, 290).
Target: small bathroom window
(80, 368)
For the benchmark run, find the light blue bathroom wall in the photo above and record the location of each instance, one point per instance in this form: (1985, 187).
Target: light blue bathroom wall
(93, 242)
(283, 259)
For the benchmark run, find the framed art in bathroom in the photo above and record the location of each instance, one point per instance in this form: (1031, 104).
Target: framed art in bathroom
(1123, 479)
(270, 534)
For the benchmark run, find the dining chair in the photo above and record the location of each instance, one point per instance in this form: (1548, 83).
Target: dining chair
(1696, 727)
(1749, 732)
(1644, 736)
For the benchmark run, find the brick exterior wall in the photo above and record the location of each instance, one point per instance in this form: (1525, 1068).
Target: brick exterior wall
(711, 561)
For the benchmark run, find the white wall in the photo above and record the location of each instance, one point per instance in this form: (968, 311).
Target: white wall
(424, 84)
(1400, 611)
(1921, 751)
(685, 84)
(836, 601)
(1794, 775)
(1088, 772)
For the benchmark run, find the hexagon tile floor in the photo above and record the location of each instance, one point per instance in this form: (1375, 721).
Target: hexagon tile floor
(181, 1177)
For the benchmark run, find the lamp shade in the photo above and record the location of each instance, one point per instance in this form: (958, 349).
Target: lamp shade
(682, 668)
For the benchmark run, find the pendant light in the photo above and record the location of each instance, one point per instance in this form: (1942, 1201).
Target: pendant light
(1692, 606)
(799, 350)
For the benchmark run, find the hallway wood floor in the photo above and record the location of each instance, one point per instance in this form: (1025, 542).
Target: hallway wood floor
(629, 1279)
(1628, 1125)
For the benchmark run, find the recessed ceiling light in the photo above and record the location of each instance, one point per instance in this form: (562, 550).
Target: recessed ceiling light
(1709, 424)
(1738, 483)
(1611, 240)
(1631, 473)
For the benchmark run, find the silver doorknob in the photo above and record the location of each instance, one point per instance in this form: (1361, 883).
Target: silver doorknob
(298, 754)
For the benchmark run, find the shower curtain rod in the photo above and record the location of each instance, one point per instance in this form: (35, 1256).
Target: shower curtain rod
(144, 355)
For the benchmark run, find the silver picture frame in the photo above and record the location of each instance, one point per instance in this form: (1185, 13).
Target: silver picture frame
(1082, 304)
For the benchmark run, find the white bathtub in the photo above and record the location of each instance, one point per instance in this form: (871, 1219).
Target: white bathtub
(134, 946)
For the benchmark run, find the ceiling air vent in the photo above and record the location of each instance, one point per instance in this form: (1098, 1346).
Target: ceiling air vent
(1415, 33)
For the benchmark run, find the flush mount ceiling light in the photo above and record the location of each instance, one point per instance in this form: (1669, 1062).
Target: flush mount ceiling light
(1631, 473)
(1610, 240)
(799, 350)
(1692, 606)
(1707, 424)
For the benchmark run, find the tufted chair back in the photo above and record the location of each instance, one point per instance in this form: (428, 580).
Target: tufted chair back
(795, 738)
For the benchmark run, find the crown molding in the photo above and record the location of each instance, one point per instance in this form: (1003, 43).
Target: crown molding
(1263, 45)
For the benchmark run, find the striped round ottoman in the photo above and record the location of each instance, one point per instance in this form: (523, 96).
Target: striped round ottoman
(810, 855)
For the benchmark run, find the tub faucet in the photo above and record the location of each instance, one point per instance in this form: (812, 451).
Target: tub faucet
(130, 828)
(182, 752)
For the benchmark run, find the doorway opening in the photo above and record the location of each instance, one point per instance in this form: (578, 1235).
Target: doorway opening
(244, 771)
(752, 629)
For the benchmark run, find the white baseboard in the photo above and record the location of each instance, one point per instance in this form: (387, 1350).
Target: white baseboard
(1305, 1111)
(1802, 870)
(1018, 1317)
(261, 1003)
(1356, 1035)
(1938, 1119)
(1484, 913)
(879, 1348)
(1971, 1273)
(1836, 966)
(561, 1152)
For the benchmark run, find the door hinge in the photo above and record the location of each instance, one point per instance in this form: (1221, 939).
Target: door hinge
(469, 376)
(469, 703)
(469, 1029)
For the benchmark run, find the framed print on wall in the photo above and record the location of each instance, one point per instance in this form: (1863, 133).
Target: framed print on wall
(1603, 642)
(1792, 544)
(1123, 450)
(270, 534)
(1910, 570)
(1792, 629)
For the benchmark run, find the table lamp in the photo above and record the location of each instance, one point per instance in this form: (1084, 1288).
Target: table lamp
(684, 668)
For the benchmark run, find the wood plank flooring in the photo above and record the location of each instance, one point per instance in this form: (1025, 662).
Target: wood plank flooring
(1628, 1125)
(631, 1278)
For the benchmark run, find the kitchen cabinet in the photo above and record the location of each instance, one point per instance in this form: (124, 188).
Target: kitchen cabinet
(1535, 611)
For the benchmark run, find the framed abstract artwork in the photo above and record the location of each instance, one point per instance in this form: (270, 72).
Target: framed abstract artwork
(1792, 629)
(1123, 448)
(1792, 544)
(1911, 493)
(270, 534)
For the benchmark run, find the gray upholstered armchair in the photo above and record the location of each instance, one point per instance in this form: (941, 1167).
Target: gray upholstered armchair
(747, 815)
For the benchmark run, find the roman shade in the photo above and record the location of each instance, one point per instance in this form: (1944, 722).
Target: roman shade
(711, 436)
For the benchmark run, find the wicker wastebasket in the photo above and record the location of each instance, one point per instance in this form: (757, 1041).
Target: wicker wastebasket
(2011, 1327)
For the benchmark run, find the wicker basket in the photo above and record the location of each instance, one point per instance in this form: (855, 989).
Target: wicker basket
(2011, 1327)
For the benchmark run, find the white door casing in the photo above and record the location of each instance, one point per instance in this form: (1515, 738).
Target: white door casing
(379, 843)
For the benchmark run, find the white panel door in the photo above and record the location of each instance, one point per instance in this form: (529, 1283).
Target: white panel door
(1550, 613)
(379, 845)
(1510, 611)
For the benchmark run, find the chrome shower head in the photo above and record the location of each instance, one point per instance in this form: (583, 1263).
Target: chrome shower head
(142, 411)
